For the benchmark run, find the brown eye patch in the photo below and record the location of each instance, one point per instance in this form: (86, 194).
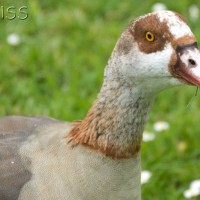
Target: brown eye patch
(148, 35)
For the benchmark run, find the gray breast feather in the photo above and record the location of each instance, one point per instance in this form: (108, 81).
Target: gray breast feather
(14, 131)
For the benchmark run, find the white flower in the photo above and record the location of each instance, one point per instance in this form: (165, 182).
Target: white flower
(194, 13)
(145, 176)
(158, 6)
(147, 136)
(13, 39)
(161, 126)
(195, 185)
(189, 194)
(194, 190)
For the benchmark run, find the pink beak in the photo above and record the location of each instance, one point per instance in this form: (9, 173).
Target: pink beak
(188, 64)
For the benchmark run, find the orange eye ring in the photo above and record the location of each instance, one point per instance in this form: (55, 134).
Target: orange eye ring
(149, 36)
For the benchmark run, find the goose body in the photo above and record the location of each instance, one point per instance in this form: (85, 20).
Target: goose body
(99, 157)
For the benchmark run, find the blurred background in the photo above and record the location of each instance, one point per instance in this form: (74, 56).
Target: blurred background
(52, 57)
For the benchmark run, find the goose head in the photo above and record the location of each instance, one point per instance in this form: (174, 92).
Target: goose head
(156, 51)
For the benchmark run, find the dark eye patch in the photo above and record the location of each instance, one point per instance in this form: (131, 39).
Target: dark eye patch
(158, 29)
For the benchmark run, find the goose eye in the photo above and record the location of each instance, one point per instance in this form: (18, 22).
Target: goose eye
(149, 37)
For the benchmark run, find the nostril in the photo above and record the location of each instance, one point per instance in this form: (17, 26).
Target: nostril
(192, 62)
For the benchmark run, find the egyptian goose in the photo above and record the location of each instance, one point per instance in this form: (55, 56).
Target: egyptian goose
(99, 157)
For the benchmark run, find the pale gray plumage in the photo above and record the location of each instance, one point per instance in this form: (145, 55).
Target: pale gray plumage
(14, 131)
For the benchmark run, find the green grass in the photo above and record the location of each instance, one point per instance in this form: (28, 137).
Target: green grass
(57, 71)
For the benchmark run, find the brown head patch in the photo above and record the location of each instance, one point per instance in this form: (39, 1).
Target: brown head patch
(150, 23)
(161, 32)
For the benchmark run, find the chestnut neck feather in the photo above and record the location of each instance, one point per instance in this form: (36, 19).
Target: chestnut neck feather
(115, 122)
